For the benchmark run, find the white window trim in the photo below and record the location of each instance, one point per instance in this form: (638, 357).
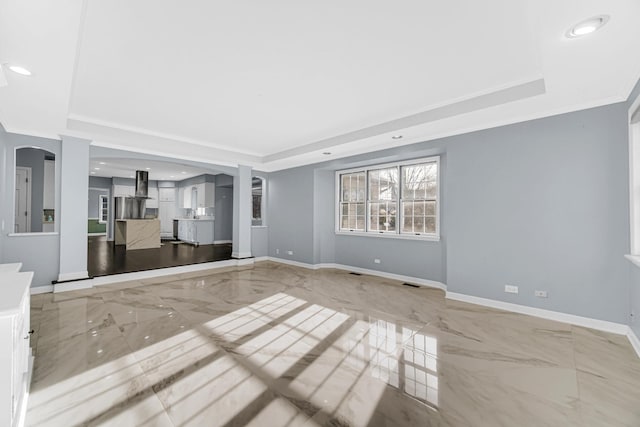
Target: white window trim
(263, 203)
(434, 237)
(100, 197)
(634, 184)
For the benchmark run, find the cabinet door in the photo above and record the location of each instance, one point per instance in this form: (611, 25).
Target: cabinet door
(201, 195)
(153, 201)
(186, 197)
(167, 194)
(124, 190)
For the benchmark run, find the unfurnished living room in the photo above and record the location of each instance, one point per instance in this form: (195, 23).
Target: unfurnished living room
(337, 213)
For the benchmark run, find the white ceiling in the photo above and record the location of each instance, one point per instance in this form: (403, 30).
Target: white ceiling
(126, 168)
(276, 84)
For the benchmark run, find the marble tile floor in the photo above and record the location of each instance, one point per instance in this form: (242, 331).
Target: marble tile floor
(275, 345)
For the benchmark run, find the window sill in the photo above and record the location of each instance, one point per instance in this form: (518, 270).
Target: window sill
(259, 226)
(51, 233)
(429, 238)
(635, 259)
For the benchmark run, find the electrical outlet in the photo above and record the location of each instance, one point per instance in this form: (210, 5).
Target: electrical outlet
(511, 289)
(541, 294)
(289, 252)
(377, 261)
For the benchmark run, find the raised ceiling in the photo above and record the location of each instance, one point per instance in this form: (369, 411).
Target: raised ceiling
(276, 84)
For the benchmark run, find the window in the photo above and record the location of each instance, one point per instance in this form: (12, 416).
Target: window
(257, 201)
(397, 200)
(103, 209)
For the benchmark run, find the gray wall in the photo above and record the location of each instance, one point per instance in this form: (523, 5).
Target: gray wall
(94, 202)
(259, 241)
(543, 205)
(634, 294)
(37, 252)
(34, 158)
(223, 223)
(540, 204)
(290, 213)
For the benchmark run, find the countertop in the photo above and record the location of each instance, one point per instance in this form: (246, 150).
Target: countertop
(13, 286)
(193, 219)
(138, 219)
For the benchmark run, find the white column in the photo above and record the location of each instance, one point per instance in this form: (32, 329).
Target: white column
(74, 211)
(242, 213)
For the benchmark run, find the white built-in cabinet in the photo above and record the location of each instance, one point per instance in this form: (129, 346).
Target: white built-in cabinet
(167, 194)
(124, 190)
(186, 197)
(15, 357)
(152, 201)
(205, 192)
(198, 232)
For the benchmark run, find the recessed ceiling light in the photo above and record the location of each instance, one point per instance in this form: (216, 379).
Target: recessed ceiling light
(171, 176)
(93, 173)
(148, 169)
(131, 176)
(327, 153)
(183, 172)
(396, 137)
(20, 70)
(97, 169)
(102, 163)
(587, 26)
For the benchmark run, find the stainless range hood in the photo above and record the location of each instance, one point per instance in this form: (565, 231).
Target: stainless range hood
(142, 184)
(134, 207)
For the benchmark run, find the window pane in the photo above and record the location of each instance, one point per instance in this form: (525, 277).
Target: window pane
(407, 224)
(383, 184)
(352, 187)
(430, 208)
(352, 216)
(419, 194)
(430, 224)
(382, 216)
(419, 181)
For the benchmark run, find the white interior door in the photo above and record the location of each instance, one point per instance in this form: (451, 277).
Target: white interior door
(23, 200)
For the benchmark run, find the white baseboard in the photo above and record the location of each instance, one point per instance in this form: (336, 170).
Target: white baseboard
(261, 258)
(587, 322)
(633, 339)
(78, 275)
(97, 234)
(240, 254)
(41, 289)
(393, 276)
(221, 242)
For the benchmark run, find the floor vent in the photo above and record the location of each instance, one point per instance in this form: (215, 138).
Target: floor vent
(355, 274)
(410, 284)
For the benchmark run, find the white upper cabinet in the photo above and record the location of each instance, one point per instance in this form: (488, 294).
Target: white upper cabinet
(152, 202)
(167, 194)
(124, 190)
(206, 195)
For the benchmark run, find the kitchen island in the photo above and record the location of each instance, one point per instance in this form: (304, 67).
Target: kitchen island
(138, 233)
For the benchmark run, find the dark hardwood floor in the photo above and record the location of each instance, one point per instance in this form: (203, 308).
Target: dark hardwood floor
(105, 258)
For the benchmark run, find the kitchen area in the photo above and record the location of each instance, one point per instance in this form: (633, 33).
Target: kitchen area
(160, 223)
